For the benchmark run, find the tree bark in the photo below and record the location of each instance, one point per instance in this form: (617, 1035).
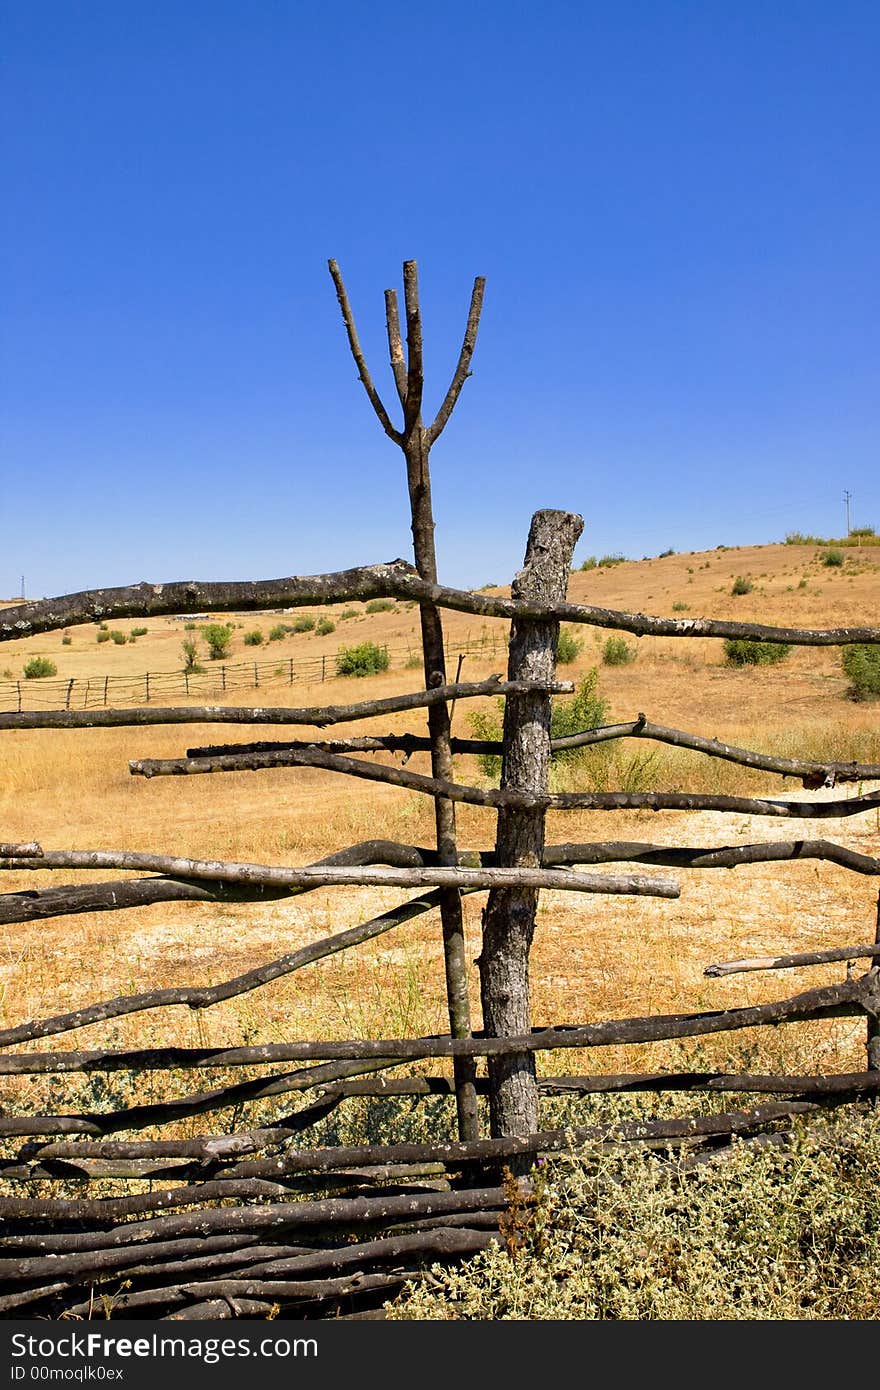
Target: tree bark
(509, 917)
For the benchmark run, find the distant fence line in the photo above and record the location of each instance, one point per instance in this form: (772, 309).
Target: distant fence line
(218, 678)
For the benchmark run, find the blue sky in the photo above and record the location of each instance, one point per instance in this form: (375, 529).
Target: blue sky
(675, 205)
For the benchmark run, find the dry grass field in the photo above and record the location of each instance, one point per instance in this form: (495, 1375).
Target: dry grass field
(594, 957)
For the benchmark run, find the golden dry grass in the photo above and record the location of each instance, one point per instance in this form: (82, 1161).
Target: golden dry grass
(594, 957)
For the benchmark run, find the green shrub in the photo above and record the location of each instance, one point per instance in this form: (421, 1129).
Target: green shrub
(254, 638)
(663, 553)
(584, 710)
(66, 641)
(218, 637)
(190, 657)
(861, 663)
(278, 632)
(833, 558)
(102, 627)
(37, 667)
(742, 585)
(616, 559)
(590, 563)
(568, 647)
(324, 626)
(743, 653)
(138, 632)
(364, 660)
(798, 538)
(190, 627)
(304, 623)
(349, 613)
(120, 638)
(380, 605)
(618, 652)
(102, 635)
(680, 607)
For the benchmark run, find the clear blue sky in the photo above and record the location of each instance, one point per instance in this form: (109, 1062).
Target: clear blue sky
(675, 204)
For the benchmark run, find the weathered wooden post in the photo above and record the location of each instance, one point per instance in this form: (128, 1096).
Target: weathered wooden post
(509, 917)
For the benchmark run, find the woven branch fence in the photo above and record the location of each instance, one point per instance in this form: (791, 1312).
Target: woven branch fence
(256, 1221)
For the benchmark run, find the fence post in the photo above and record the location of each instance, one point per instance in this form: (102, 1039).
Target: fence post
(290, 682)
(18, 688)
(106, 679)
(147, 686)
(69, 691)
(86, 696)
(509, 917)
(186, 681)
(223, 678)
(873, 1039)
(323, 667)
(256, 676)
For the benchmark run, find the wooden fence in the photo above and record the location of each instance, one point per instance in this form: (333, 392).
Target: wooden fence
(249, 1222)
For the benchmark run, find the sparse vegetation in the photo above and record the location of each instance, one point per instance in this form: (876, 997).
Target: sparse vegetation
(742, 585)
(380, 605)
(304, 623)
(586, 709)
(607, 560)
(589, 563)
(102, 635)
(348, 613)
(66, 640)
(118, 638)
(568, 648)
(219, 639)
(324, 626)
(190, 657)
(366, 659)
(139, 632)
(618, 652)
(739, 652)
(861, 664)
(679, 607)
(38, 667)
(253, 638)
(833, 558)
(278, 632)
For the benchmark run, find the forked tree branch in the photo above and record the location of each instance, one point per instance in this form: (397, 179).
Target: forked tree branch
(395, 344)
(358, 355)
(462, 370)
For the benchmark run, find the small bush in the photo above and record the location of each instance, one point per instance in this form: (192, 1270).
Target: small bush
(616, 559)
(743, 653)
(618, 652)
(364, 660)
(833, 558)
(218, 637)
(304, 623)
(742, 585)
(277, 633)
(120, 638)
(102, 635)
(584, 710)
(861, 664)
(349, 613)
(66, 641)
(380, 605)
(663, 553)
(590, 563)
(568, 648)
(254, 638)
(190, 657)
(37, 667)
(798, 538)
(680, 607)
(138, 632)
(102, 627)
(190, 627)
(324, 626)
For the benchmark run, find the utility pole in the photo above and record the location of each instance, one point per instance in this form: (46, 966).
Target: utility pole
(847, 497)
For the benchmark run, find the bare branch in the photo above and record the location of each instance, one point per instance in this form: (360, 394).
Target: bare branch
(415, 376)
(396, 579)
(740, 967)
(476, 796)
(724, 857)
(13, 851)
(462, 370)
(395, 344)
(357, 354)
(319, 715)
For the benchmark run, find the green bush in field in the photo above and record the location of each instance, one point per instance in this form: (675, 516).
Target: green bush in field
(618, 652)
(102, 635)
(138, 632)
(190, 657)
(364, 660)
(586, 709)
(742, 585)
(589, 563)
(861, 663)
(304, 623)
(616, 559)
(739, 652)
(833, 558)
(39, 666)
(348, 613)
(380, 605)
(324, 626)
(120, 638)
(254, 638)
(278, 632)
(568, 648)
(66, 641)
(218, 637)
